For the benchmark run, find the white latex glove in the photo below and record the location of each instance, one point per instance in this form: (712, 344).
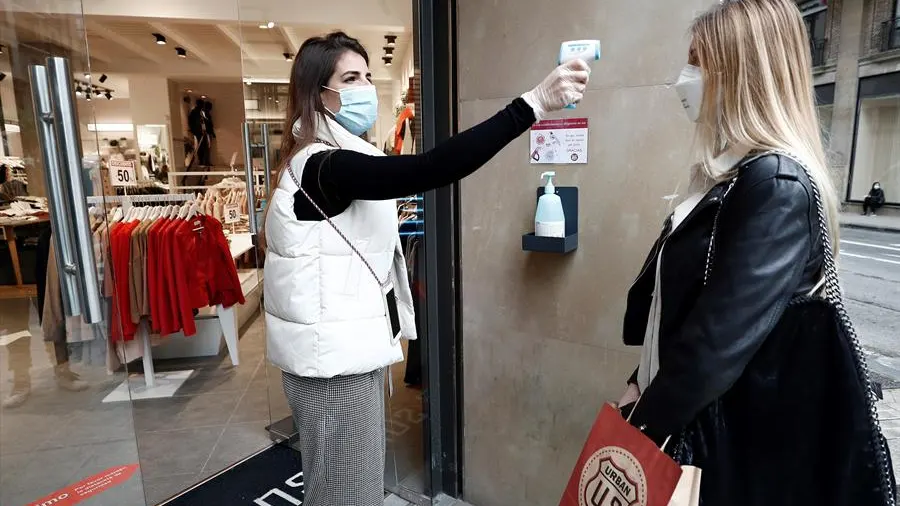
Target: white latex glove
(564, 86)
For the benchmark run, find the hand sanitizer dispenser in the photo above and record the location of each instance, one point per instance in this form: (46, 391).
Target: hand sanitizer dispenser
(549, 220)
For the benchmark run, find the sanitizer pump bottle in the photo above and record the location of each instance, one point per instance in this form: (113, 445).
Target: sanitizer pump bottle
(549, 220)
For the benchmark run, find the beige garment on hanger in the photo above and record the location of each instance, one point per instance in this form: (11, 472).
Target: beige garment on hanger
(53, 318)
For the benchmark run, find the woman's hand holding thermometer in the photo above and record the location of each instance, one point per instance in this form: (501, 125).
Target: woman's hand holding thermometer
(564, 86)
(587, 50)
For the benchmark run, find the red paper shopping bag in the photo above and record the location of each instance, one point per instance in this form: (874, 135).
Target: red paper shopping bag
(620, 466)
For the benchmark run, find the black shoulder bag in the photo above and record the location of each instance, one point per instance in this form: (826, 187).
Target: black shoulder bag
(800, 426)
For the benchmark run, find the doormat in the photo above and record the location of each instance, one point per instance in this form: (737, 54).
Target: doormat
(273, 477)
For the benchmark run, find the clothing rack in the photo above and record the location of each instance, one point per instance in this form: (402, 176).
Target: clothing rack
(226, 316)
(128, 200)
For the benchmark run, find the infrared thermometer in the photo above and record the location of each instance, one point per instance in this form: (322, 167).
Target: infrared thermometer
(587, 50)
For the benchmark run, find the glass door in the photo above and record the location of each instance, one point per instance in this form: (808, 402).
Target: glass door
(61, 439)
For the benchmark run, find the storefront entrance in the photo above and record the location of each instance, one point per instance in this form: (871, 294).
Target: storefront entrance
(125, 129)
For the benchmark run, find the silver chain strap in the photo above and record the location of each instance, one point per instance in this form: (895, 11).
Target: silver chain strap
(833, 295)
(381, 283)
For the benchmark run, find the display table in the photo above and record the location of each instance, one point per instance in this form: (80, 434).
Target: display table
(8, 226)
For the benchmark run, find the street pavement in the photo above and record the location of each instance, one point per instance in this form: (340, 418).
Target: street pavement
(870, 273)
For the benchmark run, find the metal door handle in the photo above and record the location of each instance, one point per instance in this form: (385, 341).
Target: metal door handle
(62, 97)
(57, 198)
(248, 168)
(266, 161)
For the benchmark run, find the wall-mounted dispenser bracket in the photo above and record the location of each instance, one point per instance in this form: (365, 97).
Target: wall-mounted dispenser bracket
(569, 197)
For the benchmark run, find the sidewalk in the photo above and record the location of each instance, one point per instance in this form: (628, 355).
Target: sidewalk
(889, 415)
(442, 500)
(879, 223)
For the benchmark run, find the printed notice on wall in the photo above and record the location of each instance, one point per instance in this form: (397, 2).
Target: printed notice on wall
(559, 141)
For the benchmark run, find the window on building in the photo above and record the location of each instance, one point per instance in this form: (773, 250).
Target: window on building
(877, 155)
(815, 15)
(825, 112)
(824, 107)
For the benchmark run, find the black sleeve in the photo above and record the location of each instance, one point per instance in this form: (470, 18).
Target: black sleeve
(763, 244)
(338, 177)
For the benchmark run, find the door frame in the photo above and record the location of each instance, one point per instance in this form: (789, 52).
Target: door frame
(435, 56)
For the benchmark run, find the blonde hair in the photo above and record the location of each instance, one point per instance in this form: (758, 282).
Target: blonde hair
(758, 92)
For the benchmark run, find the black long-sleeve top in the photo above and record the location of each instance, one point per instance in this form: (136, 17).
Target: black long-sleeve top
(335, 178)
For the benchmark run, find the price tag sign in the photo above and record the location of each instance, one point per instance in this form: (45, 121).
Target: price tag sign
(122, 173)
(232, 213)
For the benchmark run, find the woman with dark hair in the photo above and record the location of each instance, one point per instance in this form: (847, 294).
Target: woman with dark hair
(334, 261)
(874, 200)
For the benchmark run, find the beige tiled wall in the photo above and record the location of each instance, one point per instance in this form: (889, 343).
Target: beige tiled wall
(542, 334)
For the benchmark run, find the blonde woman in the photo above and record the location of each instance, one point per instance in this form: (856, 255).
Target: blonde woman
(738, 362)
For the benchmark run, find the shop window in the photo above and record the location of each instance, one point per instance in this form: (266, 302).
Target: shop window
(815, 16)
(877, 155)
(825, 112)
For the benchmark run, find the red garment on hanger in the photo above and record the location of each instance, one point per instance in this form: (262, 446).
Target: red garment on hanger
(153, 272)
(400, 128)
(122, 328)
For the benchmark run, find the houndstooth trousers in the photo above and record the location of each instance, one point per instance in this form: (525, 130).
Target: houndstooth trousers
(342, 437)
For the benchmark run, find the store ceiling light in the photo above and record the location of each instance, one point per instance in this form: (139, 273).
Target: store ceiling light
(109, 96)
(97, 92)
(288, 56)
(2, 76)
(103, 78)
(78, 91)
(160, 39)
(388, 51)
(268, 25)
(181, 52)
(388, 61)
(2, 48)
(88, 97)
(391, 41)
(87, 75)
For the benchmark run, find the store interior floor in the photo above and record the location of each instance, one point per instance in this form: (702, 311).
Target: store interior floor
(214, 420)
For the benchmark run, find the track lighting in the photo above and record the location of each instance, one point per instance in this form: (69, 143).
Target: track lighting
(108, 96)
(97, 92)
(78, 91)
(87, 75)
(103, 78)
(391, 41)
(88, 97)
(160, 39)
(267, 25)
(181, 52)
(388, 61)
(288, 56)
(388, 51)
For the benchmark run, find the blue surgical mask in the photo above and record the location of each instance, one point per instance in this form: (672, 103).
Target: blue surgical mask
(359, 108)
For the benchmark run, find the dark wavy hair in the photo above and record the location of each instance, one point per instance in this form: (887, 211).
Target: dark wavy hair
(313, 67)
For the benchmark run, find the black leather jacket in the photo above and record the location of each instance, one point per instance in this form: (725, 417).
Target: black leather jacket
(768, 248)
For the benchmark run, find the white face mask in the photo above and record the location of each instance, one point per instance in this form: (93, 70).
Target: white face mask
(690, 90)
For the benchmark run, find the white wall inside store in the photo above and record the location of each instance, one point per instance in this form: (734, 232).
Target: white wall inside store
(227, 114)
(104, 112)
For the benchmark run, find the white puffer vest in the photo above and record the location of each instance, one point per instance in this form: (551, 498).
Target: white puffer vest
(325, 313)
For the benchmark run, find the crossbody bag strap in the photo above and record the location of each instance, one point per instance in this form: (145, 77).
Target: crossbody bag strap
(382, 283)
(834, 296)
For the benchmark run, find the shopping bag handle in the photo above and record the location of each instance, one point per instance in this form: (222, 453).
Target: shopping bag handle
(643, 428)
